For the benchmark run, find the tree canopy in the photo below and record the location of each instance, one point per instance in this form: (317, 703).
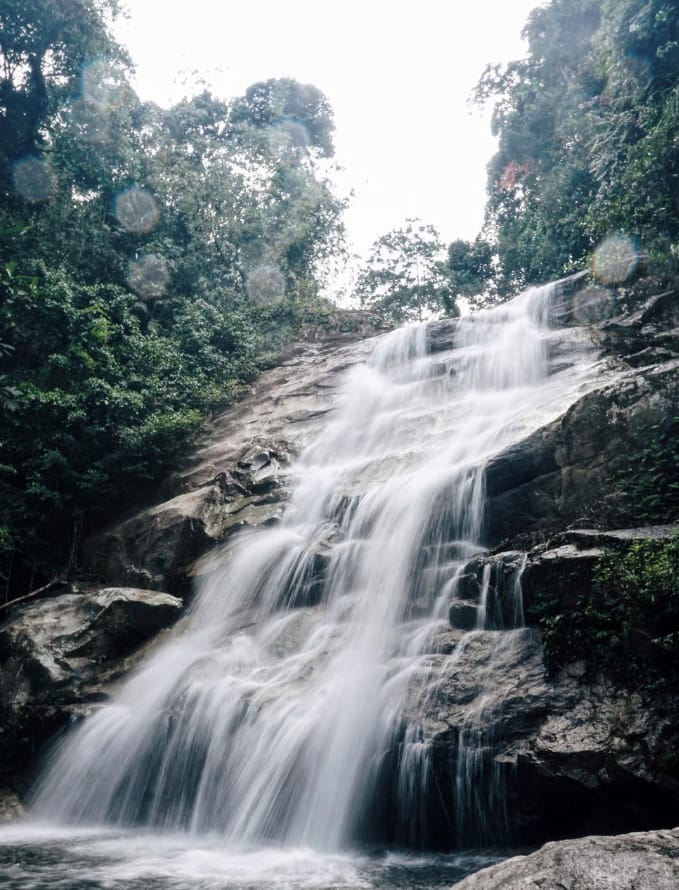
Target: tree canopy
(150, 261)
(405, 277)
(587, 126)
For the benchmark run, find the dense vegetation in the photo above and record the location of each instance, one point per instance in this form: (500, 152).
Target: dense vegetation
(588, 163)
(648, 487)
(627, 624)
(150, 261)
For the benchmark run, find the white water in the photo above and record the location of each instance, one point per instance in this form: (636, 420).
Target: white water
(269, 717)
(77, 859)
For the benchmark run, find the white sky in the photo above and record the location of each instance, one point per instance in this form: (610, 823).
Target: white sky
(398, 75)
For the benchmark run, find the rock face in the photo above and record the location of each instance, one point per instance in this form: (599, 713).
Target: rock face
(570, 470)
(563, 471)
(237, 478)
(639, 861)
(568, 753)
(11, 807)
(539, 756)
(57, 656)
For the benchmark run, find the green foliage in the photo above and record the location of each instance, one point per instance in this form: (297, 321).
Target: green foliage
(405, 277)
(649, 486)
(291, 115)
(44, 46)
(150, 262)
(471, 269)
(627, 624)
(587, 127)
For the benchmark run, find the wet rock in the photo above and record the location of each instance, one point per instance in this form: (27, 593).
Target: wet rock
(565, 571)
(564, 755)
(56, 653)
(237, 478)
(493, 578)
(564, 564)
(618, 539)
(441, 335)
(571, 752)
(62, 639)
(156, 547)
(463, 614)
(11, 807)
(564, 470)
(638, 861)
(468, 586)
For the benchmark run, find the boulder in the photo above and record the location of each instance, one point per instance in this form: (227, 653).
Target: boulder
(158, 546)
(637, 861)
(67, 636)
(564, 564)
(463, 614)
(58, 656)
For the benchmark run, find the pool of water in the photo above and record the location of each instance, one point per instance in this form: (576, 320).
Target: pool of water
(41, 858)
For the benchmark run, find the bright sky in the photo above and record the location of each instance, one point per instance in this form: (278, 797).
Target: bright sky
(398, 74)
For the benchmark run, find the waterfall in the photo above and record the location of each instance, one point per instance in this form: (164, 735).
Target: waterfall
(276, 713)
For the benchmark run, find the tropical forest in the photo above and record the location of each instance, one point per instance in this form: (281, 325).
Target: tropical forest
(323, 569)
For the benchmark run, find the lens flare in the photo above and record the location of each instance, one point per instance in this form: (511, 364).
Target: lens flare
(33, 179)
(149, 276)
(104, 84)
(615, 259)
(91, 121)
(136, 211)
(265, 283)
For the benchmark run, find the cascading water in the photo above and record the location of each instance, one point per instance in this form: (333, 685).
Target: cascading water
(271, 715)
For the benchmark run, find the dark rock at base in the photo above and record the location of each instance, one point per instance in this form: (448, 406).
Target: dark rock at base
(565, 756)
(463, 614)
(11, 807)
(57, 656)
(572, 752)
(638, 861)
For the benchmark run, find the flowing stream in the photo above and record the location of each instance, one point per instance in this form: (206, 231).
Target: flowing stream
(275, 717)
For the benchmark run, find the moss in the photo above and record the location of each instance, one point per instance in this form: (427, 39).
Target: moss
(626, 625)
(649, 485)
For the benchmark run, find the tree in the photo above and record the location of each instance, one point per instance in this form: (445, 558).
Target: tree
(293, 118)
(539, 182)
(44, 47)
(471, 269)
(150, 261)
(587, 128)
(405, 277)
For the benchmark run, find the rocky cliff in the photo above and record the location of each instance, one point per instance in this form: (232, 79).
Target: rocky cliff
(574, 749)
